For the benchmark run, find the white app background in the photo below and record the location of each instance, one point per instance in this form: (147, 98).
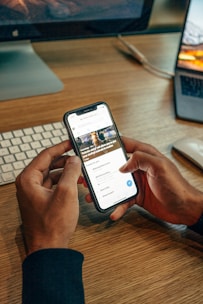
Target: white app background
(111, 186)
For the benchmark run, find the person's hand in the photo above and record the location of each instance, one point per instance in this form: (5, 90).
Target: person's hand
(162, 189)
(49, 213)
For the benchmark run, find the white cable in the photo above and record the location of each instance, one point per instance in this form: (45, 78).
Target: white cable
(157, 71)
(143, 60)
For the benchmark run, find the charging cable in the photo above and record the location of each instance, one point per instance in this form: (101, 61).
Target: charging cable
(143, 60)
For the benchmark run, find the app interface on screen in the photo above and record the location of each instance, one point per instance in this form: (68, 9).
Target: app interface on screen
(102, 155)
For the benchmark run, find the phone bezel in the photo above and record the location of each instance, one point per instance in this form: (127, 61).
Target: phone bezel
(85, 109)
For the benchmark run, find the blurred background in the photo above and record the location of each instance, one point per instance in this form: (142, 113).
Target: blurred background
(167, 15)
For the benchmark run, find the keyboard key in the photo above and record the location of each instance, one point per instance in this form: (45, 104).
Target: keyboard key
(20, 156)
(57, 132)
(48, 127)
(19, 165)
(8, 177)
(28, 131)
(64, 137)
(7, 135)
(9, 159)
(19, 147)
(46, 143)
(27, 139)
(25, 147)
(16, 141)
(14, 149)
(58, 125)
(6, 168)
(64, 131)
(37, 137)
(5, 143)
(38, 129)
(35, 145)
(47, 134)
(18, 133)
(31, 153)
(4, 151)
(55, 140)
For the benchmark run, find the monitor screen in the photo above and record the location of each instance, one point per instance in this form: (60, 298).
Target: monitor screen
(45, 20)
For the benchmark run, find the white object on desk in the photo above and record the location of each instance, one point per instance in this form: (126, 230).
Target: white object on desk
(19, 147)
(192, 149)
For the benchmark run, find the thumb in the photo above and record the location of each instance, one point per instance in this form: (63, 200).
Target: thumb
(67, 191)
(131, 165)
(141, 161)
(72, 170)
(70, 175)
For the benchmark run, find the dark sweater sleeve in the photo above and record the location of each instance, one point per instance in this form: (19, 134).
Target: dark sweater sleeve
(53, 276)
(198, 227)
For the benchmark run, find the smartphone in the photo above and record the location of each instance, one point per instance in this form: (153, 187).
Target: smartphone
(96, 141)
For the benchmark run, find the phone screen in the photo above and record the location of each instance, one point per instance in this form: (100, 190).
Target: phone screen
(97, 142)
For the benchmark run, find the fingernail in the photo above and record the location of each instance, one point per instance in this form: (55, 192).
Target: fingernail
(73, 159)
(122, 168)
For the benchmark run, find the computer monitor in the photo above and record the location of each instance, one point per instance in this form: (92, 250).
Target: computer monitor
(22, 72)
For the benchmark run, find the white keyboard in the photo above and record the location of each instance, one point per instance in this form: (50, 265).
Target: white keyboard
(19, 147)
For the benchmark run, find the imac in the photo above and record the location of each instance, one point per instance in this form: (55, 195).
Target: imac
(22, 72)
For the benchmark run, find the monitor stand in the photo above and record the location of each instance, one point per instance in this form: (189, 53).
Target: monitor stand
(23, 73)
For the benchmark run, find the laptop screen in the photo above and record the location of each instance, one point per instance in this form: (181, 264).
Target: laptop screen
(191, 48)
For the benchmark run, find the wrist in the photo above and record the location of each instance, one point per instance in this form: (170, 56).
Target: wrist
(35, 244)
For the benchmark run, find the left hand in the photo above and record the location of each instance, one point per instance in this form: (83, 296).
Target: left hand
(49, 214)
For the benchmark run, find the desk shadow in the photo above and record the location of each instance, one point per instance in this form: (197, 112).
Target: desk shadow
(185, 238)
(90, 216)
(143, 221)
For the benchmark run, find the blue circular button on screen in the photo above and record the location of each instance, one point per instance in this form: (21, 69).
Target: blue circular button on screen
(129, 183)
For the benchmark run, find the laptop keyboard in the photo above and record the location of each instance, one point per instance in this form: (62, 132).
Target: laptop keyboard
(19, 147)
(192, 86)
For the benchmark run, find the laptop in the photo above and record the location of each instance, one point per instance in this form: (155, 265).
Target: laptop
(188, 79)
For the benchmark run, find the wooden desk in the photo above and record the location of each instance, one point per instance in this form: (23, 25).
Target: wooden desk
(137, 259)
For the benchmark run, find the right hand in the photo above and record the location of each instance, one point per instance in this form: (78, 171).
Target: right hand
(162, 189)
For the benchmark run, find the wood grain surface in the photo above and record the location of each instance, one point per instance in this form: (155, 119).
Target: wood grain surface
(138, 259)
